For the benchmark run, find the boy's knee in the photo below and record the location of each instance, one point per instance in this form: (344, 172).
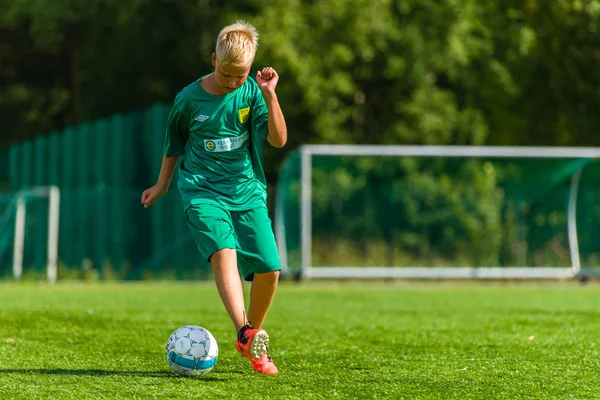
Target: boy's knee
(223, 257)
(272, 276)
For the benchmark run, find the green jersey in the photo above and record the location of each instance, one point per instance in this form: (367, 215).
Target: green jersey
(221, 139)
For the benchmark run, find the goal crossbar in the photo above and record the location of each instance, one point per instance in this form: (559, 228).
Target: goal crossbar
(452, 151)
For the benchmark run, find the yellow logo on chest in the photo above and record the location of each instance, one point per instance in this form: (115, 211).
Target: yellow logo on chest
(243, 113)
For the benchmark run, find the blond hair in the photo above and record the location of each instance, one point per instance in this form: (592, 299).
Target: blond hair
(236, 44)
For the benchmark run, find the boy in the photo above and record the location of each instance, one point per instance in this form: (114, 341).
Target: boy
(218, 123)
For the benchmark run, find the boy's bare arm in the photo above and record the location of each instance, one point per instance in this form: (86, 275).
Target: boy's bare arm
(277, 135)
(164, 180)
(267, 80)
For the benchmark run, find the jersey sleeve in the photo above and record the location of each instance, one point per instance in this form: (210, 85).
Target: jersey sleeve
(260, 116)
(177, 132)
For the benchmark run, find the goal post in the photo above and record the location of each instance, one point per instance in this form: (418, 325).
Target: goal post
(513, 170)
(19, 208)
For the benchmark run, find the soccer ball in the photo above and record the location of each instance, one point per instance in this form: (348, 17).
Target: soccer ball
(192, 351)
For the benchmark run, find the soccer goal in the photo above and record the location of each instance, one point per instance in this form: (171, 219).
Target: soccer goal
(21, 211)
(350, 211)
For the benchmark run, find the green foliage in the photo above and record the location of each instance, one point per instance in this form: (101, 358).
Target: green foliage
(377, 71)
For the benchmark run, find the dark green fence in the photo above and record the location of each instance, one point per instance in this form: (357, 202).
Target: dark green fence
(4, 177)
(102, 167)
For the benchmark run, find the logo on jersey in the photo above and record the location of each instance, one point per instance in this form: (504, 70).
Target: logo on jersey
(227, 144)
(202, 118)
(243, 113)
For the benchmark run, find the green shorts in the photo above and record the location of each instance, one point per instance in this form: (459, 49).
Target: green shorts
(249, 232)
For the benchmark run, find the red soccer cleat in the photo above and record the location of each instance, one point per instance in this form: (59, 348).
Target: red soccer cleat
(253, 344)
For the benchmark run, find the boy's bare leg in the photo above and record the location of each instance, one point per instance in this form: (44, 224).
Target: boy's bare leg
(261, 296)
(229, 285)
(252, 341)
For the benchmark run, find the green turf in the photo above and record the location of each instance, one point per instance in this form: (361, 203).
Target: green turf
(359, 340)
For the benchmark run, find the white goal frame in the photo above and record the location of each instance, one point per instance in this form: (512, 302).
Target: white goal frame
(310, 271)
(53, 194)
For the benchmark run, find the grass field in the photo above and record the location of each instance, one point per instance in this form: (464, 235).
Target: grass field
(330, 340)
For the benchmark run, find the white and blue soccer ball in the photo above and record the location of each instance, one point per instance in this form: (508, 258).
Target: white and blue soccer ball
(192, 351)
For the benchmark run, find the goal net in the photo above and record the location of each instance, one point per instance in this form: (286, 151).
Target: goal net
(29, 223)
(439, 211)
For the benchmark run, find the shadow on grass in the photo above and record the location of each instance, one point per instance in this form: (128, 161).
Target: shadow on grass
(214, 375)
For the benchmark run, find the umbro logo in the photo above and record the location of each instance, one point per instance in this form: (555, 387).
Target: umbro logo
(202, 118)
